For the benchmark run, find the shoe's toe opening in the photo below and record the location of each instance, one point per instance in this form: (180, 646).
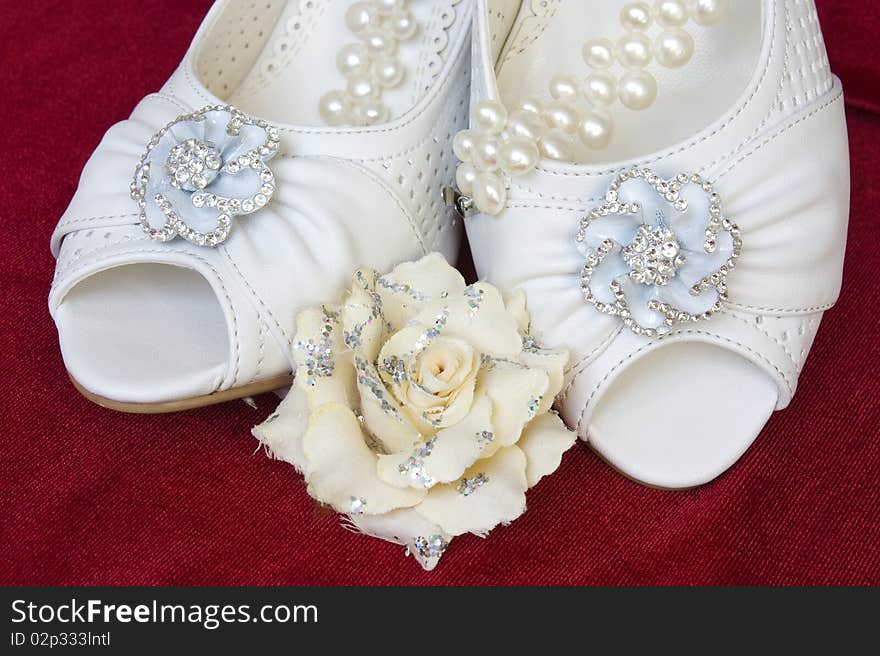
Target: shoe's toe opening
(144, 333)
(682, 415)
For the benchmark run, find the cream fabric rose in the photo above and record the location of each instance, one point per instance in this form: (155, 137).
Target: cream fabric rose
(421, 407)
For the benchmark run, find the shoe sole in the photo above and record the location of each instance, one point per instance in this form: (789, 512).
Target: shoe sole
(262, 387)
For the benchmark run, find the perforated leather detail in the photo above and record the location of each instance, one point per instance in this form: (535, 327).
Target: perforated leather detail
(807, 74)
(793, 334)
(502, 15)
(235, 40)
(418, 173)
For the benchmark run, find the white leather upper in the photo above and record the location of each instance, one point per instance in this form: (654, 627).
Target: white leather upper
(346, 198)
(779, 159)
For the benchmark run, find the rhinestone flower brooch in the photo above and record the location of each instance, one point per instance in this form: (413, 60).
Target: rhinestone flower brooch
(658, 251)
(201, 170)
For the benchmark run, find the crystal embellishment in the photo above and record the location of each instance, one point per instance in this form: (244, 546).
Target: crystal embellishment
(658, 252)
(200, 171)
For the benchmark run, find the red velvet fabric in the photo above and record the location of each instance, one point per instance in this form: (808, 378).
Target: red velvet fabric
(94, 497)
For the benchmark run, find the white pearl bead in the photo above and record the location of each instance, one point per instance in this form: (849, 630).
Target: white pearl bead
(556, 145)
(707, 12)
(564, 87)
(465, 175)
(634, 50)
(353, 59)
(463, 145)
(532, 104)
(388, 72)
(403, 25)
(360, 16)
(518, 156)
(670, 13)
(380, 42)
(600, 89)
(335, 108)
(637, 89)
(673, 47)
(485, 156)
(388, 7)
(598, 53)
(636, 16)
(595, 129)
(361, 87)
(371, 112)
(490, 116)
(562, 116)
(490, 194)
(526, 124)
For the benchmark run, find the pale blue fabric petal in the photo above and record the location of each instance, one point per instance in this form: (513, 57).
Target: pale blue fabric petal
(607, 270)
(241, 185)
(698, 264)
(184, 130)
(678, 295)
(215, 129)
(619, 228)
(690, 225)
(653, 208)
(249, 138)
(637, 298)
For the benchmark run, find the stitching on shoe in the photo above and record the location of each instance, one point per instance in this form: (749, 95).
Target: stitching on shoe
(259, 299)
(65, 269)
(644, 347)
(754, 149)
(235, 338)
(806, 310)
(67, 222)
(582, 364)
(768, 335)
(376, 179)
(261, 324)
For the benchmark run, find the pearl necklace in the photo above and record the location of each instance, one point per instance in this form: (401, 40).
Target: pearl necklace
(370, 66)
(503, 144)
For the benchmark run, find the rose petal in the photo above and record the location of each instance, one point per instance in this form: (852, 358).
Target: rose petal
(477, 316)
(384, 417)
(342, 468)
(450, 452)
(411, 285)
(363, 329)
(284, 430)
(543, 442)
(403, 526)
(516, 392)
(553, 361)
(500, 499)
(323, 370)
(516, 305)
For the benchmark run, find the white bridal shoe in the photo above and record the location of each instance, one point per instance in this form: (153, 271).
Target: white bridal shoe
(296, 142)
(669, 184)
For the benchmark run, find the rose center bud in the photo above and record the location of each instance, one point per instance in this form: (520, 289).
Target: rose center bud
(192, 165)
(439, 365)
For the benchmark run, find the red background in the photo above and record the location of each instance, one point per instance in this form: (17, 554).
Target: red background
(94, 497)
